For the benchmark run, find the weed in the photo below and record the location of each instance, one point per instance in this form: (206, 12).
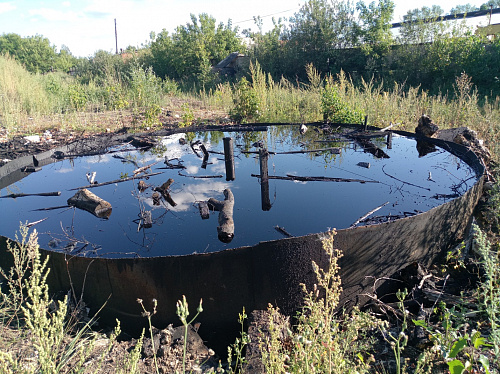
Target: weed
(398, 341)
(187, 115)
(237, 348)
(151, 116)
(246, 103)
(320, 341)
(335, 109)
(183, 313)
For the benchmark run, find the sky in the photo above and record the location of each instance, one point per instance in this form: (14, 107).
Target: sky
(85, 26)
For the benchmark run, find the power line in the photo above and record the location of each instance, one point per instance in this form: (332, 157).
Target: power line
(268, 15)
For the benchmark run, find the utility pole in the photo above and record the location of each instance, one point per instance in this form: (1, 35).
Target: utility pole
(116, 39)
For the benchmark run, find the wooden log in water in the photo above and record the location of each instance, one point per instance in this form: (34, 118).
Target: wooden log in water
(225, 230)
(15, 195)
(204, 211)
(86, 200)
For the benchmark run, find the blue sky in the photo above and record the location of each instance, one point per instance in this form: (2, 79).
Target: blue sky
(85, 26)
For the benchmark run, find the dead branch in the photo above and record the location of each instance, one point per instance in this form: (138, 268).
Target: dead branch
(146, 176)
(399, 180)
(282, 230)
(369, 214)
(200, 176)
(334, 150)
(16, 195)
(144, 168)
(314, 179)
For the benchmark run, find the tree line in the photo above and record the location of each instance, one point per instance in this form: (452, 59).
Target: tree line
(332, 35)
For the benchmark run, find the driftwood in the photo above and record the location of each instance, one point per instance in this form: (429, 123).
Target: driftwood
(229, 158)
(282, 230)
(369, 214)
(31, 224)
(51, 208)
(147, 219)
(156, 198)
(31, 169)
(126, 160)
(144, 168)
(204, 210)
(146, 176)
(314, 179)
(200, 176)
(334, 150)
(142, 186)
(225, 230)
(86, 200)
(163, 189)
(369, 147)
(15, 195)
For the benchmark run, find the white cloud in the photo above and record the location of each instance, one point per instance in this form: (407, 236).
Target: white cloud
(54, 15)
(6, 7)
(66, 4)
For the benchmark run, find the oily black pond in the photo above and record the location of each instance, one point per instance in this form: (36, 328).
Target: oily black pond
(407, 182)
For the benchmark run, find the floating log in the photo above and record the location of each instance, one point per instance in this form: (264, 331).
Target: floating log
(200, 176)
(142, 186)
(369, 147)
(204, 211)
(147, 219)
(225, 230)
(369, 214)
(163, 189)
(86, 200)
(156, 198)
(364, 164)
(282, 230)
(334, 150)
(229, 158)
(16, 195)
(126, 160)
(146, 176)
(144, 168)
(315, 179)
(31, 169)
(264, 180)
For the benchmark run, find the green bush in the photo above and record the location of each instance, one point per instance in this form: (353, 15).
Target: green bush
(336, 110)
(246, 102)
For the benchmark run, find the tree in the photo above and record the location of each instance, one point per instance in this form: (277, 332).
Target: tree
(35, 52)
(375, 26)
(490, 4)
(318, 32)
(466, 8)
(191, 51)
(268, 47)
(420, 26)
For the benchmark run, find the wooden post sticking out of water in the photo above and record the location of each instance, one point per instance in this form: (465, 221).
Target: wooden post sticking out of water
(264, 180)
(229, 158)
(389, 140)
